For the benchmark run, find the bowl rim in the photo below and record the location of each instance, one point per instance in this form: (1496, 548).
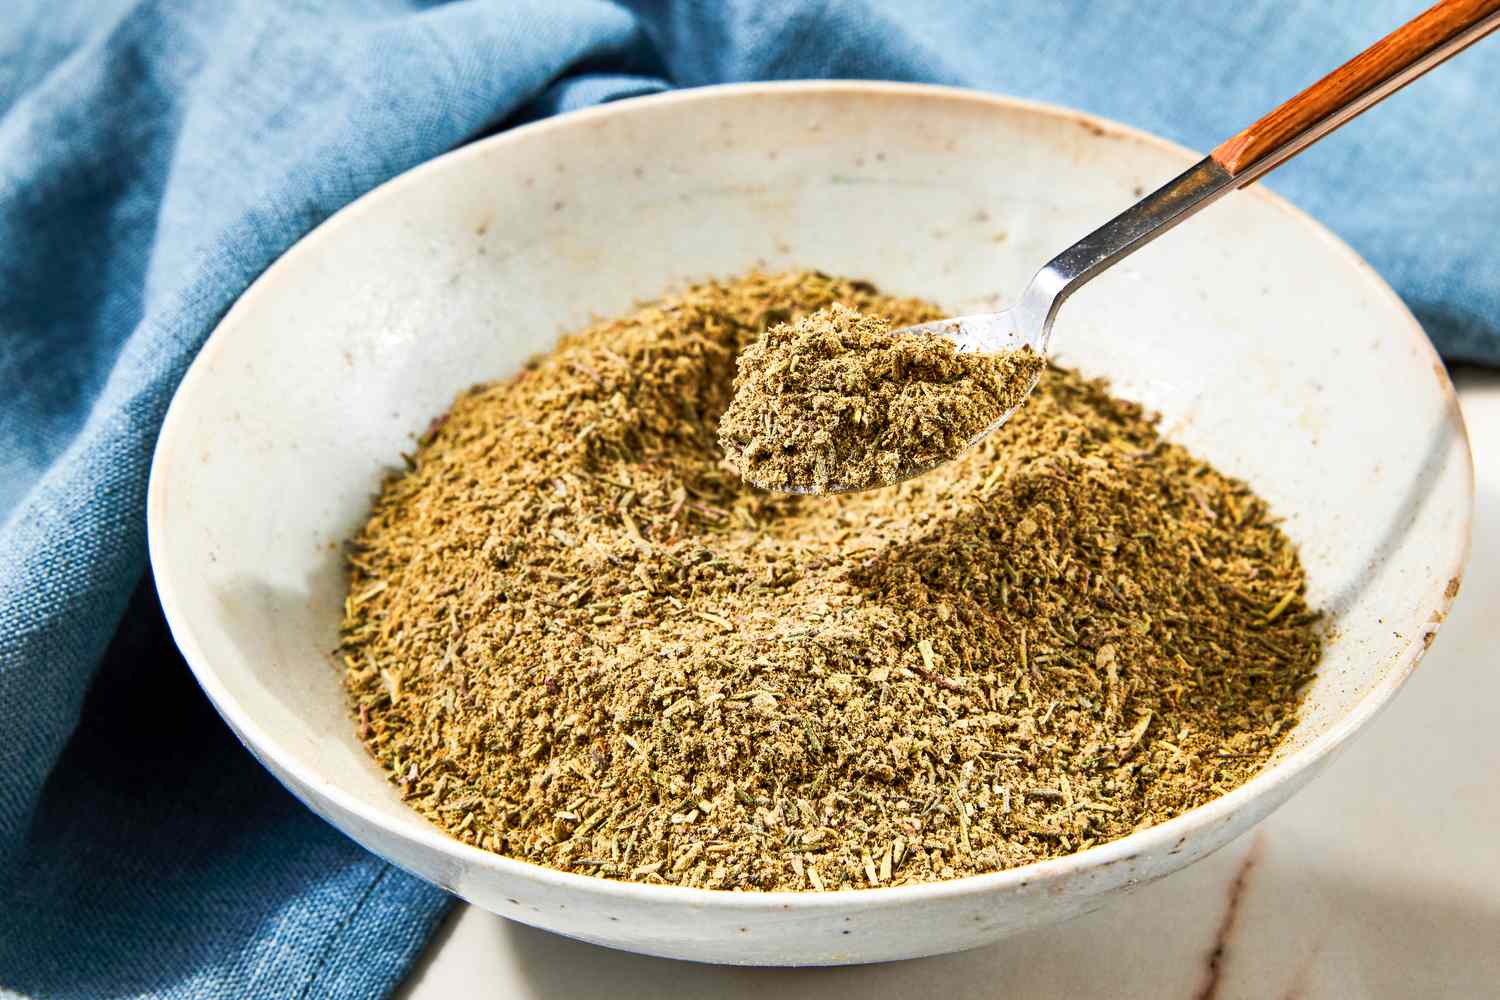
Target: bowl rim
(419, 832)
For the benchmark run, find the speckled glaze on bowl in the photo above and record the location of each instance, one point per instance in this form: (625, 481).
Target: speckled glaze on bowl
(1267, 345)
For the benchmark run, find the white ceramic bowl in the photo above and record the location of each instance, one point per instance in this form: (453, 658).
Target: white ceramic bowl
(1268, 346)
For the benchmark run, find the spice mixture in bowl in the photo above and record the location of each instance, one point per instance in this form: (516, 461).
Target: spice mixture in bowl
(575, 670)
(575, 637)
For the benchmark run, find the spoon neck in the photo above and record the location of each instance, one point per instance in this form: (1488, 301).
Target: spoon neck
(1174, 202)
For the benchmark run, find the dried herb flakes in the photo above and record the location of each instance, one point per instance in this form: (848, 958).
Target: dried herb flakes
(839, 401)
(574, 636)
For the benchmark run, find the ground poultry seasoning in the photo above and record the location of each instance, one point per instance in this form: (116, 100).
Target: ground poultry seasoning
(840, 401)
(575, 637)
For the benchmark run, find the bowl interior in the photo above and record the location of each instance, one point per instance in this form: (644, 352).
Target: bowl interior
(1266, 345)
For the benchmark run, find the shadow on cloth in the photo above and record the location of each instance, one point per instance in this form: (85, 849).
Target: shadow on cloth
(110, 860)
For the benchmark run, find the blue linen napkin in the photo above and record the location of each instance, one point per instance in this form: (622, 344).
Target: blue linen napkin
(156, 156)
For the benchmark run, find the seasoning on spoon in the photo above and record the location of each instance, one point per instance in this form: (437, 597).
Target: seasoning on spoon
(836, 401)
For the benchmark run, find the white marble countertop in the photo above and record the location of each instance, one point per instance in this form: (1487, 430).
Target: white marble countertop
(1381, 879)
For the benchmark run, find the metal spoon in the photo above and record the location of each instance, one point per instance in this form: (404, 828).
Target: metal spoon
(1368, 78)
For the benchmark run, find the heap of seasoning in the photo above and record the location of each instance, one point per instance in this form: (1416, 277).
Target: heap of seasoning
(574, 636)
(837, 401)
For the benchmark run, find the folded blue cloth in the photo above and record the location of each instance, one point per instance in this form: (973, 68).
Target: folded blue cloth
(156, 156)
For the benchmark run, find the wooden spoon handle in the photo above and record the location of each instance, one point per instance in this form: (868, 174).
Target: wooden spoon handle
(1391, 63)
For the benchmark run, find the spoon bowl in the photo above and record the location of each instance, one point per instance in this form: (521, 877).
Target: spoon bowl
(985, 333)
